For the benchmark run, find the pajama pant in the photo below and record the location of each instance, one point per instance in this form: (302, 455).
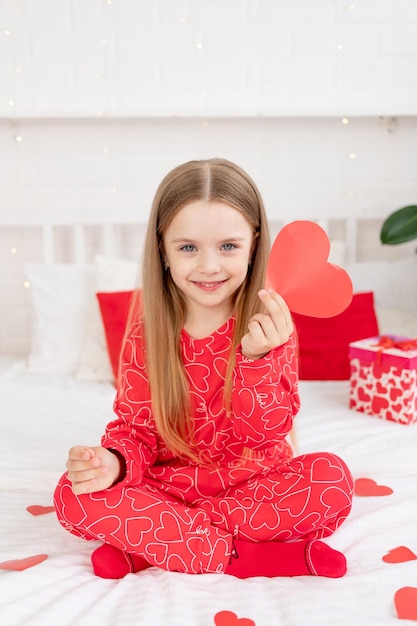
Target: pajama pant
(308, 497)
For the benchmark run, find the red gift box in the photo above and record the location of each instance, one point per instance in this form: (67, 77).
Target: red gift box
(383, 379)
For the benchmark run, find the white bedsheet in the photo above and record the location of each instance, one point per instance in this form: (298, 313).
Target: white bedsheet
(41, 417)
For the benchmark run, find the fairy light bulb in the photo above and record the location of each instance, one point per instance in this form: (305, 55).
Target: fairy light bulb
(26, 284)
(13, 250)
(345, 121)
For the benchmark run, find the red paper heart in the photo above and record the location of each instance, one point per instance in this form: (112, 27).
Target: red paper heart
(405, 601)
(228, 618)
(368, 487)
(18, 565)
(298, 269)
(399, 555)
(38, 509)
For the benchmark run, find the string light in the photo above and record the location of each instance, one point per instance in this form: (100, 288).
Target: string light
(7, 32)
(352, 156)
(26, 284)
(199, 45)
(345, 121)
(18, 138)
(13, 250)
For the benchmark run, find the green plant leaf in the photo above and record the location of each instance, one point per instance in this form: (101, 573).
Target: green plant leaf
(400, 226)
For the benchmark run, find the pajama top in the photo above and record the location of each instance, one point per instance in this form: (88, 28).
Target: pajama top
(263, 404)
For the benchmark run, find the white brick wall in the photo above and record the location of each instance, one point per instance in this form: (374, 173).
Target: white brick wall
(108, 95)
(305, 167)
(200, 57)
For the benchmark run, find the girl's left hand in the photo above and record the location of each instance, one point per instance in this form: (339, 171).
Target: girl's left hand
(270, 329)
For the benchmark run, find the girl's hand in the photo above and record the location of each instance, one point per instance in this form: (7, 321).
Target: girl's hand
(270, 329)
(92, 469)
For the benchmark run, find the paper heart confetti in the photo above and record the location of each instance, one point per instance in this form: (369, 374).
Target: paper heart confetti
(368, 487)
(18, 565)
(39, 509)
(298, 269)
(405, 601)
(228, 618)
(399, 555)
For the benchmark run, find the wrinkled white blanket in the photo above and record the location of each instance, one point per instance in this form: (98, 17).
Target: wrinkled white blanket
(45, 574)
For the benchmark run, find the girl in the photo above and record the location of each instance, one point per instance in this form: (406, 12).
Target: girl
(195, 473)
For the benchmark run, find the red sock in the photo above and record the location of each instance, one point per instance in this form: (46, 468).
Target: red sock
(274, 558)
(110, 562)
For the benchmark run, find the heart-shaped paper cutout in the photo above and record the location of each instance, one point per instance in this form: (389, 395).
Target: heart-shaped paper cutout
(399, 555)
(39, 509)
(405, 601)
(18, 565)
(298, 269)
(368, 487)
(228, 618)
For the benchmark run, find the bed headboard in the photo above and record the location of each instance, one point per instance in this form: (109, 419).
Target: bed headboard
(52, 242)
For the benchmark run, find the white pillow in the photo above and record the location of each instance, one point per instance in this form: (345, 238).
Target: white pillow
(59, 301)
(397, 322)
(110, 274)
(394, 283)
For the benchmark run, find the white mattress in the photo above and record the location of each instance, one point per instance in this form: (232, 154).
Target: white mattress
(41, 417)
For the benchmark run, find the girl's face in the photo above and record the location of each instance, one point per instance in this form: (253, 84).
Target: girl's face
(208, 247)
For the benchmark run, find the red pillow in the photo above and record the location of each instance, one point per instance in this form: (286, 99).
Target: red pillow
(114, 309)
(324, 343)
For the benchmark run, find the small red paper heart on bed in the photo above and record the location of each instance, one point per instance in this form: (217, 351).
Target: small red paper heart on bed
(405, 601)
(368, 487)
(228, 618)
(18, 565)
(298, 269)
(39, 509)
(399, 555)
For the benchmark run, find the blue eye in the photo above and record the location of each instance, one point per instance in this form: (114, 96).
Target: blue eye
(228, 246)
(189, 247)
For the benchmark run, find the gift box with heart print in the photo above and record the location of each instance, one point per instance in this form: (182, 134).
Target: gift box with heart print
(383, 380)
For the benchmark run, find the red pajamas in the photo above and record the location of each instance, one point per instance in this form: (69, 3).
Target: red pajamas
(182, 516)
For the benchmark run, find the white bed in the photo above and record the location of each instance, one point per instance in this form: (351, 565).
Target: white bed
(47, 405)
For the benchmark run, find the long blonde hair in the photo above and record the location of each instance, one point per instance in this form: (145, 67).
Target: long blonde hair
(162, 305)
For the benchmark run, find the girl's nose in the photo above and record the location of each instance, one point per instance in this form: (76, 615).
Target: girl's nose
(209, 263)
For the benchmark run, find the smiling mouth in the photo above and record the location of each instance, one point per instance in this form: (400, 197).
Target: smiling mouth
(209, 286)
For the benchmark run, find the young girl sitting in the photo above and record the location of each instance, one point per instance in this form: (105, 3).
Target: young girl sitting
(195, 473)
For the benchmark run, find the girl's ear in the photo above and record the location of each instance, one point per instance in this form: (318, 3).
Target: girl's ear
(253, 246)
(162, 254)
